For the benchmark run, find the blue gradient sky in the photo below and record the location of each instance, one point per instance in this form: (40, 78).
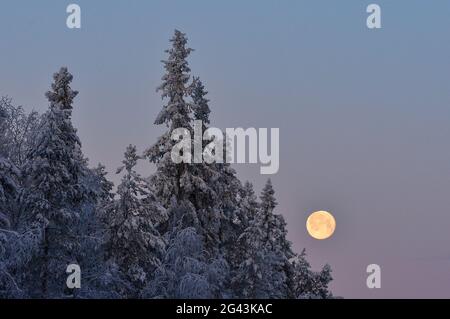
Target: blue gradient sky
(364, 115)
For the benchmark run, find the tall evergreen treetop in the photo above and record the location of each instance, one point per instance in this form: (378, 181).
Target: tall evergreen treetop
(176, 112)
(54, 164)
(61, 96)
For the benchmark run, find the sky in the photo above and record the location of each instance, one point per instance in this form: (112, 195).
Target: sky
(364, 115)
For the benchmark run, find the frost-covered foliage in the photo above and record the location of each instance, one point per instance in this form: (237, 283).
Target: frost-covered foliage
(216, 198)
(185, 272)
(182, 188)
(263, 272)
(168, 181)
(201, 195)
(101, 278)
(135, 245)
(9, 188)
(9, 172)
(309, 284)
(200, 102)
(9, 239)
(186, 231)
(248, 203)
(18, 132)
(54, 193)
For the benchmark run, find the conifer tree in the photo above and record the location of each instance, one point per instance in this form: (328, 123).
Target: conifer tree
(264, 270)
(136, 245)
(188, 191)
(54, 192)
(170, 180)
(307, 283)
(181, 187)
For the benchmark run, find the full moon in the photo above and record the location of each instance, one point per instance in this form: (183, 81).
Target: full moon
(321, 225)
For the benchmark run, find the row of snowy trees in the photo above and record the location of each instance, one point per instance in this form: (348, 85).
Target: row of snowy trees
(187, 231)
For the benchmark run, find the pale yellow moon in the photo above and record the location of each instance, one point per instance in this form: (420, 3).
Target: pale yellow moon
(321, 225)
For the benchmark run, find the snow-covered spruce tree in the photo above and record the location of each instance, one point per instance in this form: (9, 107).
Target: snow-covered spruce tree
(186, 190)
(265, 270)
(170, 177)
(135, 244)
(54, 193)
(248, 208)
(309, 284)
(276, 234)
(274, 230)
(176, 183)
